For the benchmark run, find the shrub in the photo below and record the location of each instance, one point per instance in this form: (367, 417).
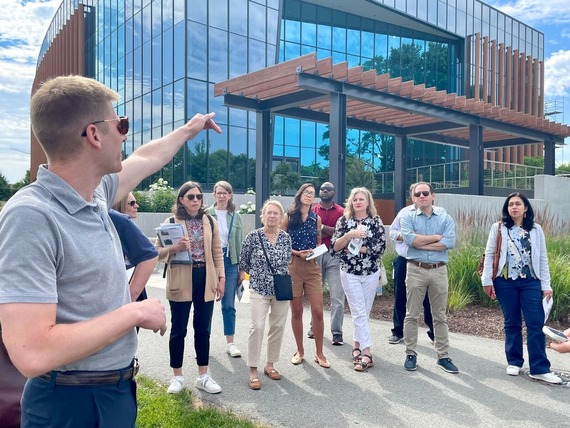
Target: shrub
(159, 198)
(248, 208)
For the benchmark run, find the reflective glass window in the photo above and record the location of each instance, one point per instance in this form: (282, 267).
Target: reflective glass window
(136, 121)
(272, 24)
(167, 106)
(441, 14)
(179, 51)
(292, 31)
(156, 62)
(400, 5)
(167, 59)
(129, 77)
(278, 139)
(309, 33)
(238, 55)
(137, 30)
(218, 14)
(178, 12)
(146, 24)
(146, 68)
(217, 55)
(147, 112)
(432, 12)
(197, 98)
(353, 42)
(197, 48)
(367, 44)
(179, 97)
(197, 10)
(324, 36)
(217, 104)
(411, 7)
(339, 39)
(451, 18)
(256, 55)
(156, 18)
(270, 55)
(137, 71)
(238, 13)
(129, 34)
(156, 108)
(167, 14)
(256, 21)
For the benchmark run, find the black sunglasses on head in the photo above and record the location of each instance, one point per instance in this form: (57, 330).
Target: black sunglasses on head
(122, 126)
(423, 192)
(191, 197)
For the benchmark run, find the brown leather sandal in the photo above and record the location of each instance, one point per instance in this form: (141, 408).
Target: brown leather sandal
(255, 384)
(356, 357)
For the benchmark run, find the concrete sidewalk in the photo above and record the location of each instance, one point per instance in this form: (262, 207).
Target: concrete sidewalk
(481, 395)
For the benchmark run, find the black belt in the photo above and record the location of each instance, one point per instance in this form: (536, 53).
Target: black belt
(198, 265)
(427, 265)
(92, 377)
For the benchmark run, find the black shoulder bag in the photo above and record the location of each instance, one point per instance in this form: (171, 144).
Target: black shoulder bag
(281, 283)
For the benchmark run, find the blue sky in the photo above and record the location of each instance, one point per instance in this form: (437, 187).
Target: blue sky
(23, 25)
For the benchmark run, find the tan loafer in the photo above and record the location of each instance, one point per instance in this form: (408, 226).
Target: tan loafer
(296, 359)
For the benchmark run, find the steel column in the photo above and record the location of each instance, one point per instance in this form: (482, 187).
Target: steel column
(400, 188)
(337, 147)
(476, 155)
(264, 156)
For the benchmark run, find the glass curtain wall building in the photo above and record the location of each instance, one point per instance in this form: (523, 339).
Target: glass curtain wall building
(164, 56)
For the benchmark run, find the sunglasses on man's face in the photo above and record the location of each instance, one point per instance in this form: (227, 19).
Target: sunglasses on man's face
(122, 126)
(192, 197)
(423, 192)
(132, 203)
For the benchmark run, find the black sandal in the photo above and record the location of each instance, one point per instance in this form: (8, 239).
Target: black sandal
(362, 365)
(356, 357)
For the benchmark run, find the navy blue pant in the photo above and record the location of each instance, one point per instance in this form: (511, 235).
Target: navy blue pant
(400, 269)
(47, 405)
(523, 297)
(202, 322)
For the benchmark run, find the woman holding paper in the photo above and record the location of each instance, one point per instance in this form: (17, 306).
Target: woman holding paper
(231, 234)
(523, 281)
(359, 240)
(304, 227)
(198, 283)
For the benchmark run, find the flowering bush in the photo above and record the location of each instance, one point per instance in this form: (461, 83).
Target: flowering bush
(161, 184)
(250, 191)
(159, 197)
(248, 208)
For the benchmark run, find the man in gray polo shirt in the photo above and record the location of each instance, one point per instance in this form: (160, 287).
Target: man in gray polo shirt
(65, 310)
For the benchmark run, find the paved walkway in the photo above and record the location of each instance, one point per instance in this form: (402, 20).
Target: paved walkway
(481, 395)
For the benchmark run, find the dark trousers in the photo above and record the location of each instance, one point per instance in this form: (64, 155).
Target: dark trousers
(201, 322)
(47, 405)
(523, 297)
(400, 269)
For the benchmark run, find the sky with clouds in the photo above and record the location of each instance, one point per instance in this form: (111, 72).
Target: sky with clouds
(23, 25)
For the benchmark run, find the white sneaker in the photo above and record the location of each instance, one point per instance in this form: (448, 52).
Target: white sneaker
(513, 370)
(176, 385)
(207, 384)
(547, 377)
(233, 350)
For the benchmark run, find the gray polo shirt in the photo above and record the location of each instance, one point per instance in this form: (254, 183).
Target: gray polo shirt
(57, 248)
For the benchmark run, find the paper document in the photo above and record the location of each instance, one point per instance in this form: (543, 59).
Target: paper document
(169, 234)
(239, 291)
(318, 251)
(547, 305)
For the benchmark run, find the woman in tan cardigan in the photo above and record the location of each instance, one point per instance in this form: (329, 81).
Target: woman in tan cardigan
(200, 283)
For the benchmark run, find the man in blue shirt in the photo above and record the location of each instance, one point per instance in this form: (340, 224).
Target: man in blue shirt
(429, 235)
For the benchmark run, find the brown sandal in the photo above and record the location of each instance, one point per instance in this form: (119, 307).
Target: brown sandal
(255, 384)
(362, 365)
(272, 374)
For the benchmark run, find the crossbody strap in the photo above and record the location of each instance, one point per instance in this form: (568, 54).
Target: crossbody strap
(265, 252)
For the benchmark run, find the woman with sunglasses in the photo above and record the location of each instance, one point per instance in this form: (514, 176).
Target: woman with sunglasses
(522, 281)
(359, 241)
(198, 283)
(231, 234)
(304, 227)
(138, 251)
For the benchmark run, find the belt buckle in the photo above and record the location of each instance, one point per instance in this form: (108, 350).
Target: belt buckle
(135, 367)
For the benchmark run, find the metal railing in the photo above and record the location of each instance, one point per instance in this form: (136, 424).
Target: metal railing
(454, 175)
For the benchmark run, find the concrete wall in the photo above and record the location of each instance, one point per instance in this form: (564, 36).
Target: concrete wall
(551, 205)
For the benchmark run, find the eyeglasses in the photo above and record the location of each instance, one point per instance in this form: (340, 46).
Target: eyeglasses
(122, 126)
(327, 189)
(222, 193)
(307, 193)
(132, 203)
(192, 197)
(423, 192)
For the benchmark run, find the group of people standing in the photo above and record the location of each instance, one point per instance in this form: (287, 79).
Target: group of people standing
(355, 237)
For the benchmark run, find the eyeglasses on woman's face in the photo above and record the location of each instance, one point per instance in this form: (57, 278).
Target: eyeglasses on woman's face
(132, 203)
(122, 126)
(191, 197)
(308, 193)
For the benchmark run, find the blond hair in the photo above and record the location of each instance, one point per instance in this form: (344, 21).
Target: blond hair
(62, 108)
(349, 208)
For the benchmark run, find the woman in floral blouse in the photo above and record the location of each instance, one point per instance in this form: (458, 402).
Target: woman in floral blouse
(262, 293)
(359, 267)
(522, 281)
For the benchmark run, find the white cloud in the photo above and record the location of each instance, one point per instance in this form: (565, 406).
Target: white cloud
(533, 12)
(557, 74)
(23, 25)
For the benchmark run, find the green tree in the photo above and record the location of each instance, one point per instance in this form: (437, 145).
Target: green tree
(284, 179)
(23, 182)
(563, 169)
(6, 190)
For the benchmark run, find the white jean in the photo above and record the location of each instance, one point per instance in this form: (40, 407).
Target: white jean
(360, 291)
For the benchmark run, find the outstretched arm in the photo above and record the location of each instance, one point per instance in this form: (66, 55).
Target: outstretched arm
(152, 156)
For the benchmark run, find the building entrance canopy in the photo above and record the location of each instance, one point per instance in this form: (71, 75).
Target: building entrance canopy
(316, 90)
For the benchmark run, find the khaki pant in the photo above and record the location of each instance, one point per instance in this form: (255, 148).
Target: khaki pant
(259, 307)
(435, 283)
